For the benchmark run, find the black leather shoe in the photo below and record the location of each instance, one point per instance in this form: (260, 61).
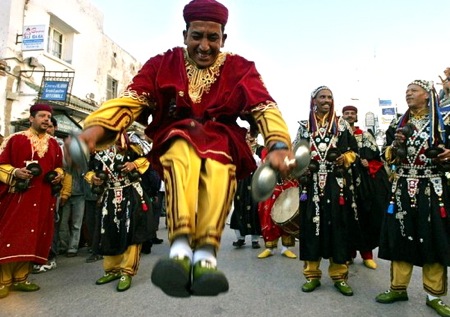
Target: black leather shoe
(255, 245)
(157, 241)
(93, 258)
(238, 243)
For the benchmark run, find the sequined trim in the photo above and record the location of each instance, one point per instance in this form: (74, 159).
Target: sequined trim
(201, 79)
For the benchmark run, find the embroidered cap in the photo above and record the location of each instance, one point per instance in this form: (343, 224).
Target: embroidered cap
(40, 107)
(319, 89)
(425, 84)
(205, 10)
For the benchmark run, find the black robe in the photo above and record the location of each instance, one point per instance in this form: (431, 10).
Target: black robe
(326, 210)
(245, 217)
(416, 227)
(119, 225)
(371, 191)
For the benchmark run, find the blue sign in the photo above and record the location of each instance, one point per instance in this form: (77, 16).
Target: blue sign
(388, 111)
(384, 103)
(55, 90)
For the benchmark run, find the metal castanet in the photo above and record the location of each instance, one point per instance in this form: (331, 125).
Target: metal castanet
(302, 153)
(265, 178)
(78, 152)
(263, 182)
(333, 154)
(433, 151)
(34, 168)
(399, 148)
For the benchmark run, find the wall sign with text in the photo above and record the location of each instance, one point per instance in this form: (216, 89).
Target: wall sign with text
(55, 90)
(33, 37)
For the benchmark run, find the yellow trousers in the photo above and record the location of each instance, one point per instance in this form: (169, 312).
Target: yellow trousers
(125, 263)
(337, 272)
(434, 277)
(286, 240)
(199, 194)
(14, 272)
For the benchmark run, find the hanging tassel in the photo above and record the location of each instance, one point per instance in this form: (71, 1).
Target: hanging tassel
(391, 208)
(303, 196)
(443, 212)
(144, 206)
(442, 208)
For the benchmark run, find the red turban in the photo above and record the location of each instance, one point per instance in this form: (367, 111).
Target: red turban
(41, 107)
(346, 108)
(205, 10)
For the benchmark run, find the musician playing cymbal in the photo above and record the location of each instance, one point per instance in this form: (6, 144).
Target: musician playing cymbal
(325, 193)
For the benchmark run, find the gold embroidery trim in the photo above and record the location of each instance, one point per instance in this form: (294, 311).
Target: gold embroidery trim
(143, 99)
(40, 145)
(201, 79)
(263, 106)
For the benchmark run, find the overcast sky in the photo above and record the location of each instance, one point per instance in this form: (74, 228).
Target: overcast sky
(363, 50)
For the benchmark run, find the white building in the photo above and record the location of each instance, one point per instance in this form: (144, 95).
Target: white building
(56, 52)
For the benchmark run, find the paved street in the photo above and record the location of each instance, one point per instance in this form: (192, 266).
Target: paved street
(268, 287)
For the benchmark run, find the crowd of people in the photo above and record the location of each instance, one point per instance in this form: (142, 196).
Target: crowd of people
(352, 197)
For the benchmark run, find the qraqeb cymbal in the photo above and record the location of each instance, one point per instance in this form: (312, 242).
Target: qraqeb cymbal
(433, 152)
(265, 178)
(264, 181)
(79, 153)
(302, 154)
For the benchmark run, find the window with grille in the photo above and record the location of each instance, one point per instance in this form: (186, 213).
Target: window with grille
(111, 90)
